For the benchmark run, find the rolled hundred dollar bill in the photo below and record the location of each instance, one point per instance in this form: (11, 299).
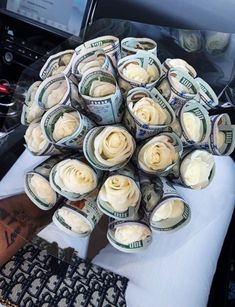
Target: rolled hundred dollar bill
(102, 96)
(195, 123)
(147, 113)
(190, 40)
(180, 64)
(108, 147)
(37, 144)
(65, 126)
(207, 96)
(58, 63)
(119, 196)
(78, 218)
(196, 169)
(166, 210)
(142, 69)
(74, 178)
(159, 154)
(37, 185)
(130, 236)
(110, 44)
(31, 111)
(56, 90)
(222, 138)
(90, 59)
(131, 45)
(178, 87)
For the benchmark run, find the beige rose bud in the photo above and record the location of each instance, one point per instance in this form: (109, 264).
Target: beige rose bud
(42, 189)
(193, 126)
(101, 89)
(127, 234)
(170, 209)
(66, 125)
(57, 93)
(34, 138)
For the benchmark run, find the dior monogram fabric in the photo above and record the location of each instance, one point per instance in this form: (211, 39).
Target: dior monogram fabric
(28, 280)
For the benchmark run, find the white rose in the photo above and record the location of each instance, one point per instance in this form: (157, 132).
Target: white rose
(148, 111)
(65, 59)
(121, 192)
(133, 71)
(193, 126)
(66, 125)
(170, 209)
(113, 145)
(56, 94)
(196, 168)
(220, 139)
(183, 65)
(42, 189)
(96, 63)
(190, 40)
(216, 41)
(34, 138)
(76, 223)
(101, 89)
(157, 154)
(34, 112)
(75, 177)
(127, 234)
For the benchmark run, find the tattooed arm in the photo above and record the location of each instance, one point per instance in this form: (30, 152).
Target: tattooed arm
(20, 221)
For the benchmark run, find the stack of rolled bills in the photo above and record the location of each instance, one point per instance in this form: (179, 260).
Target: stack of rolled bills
(119, 127)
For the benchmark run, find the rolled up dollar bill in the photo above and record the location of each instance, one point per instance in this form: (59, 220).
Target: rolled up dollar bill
(74, 178)
(180, 64)
(195, 123)
(58, 63)
(196, 169)
(130, 236)
(159, 154)
(119, 196)
(65, 126)
(178, 87)
(108, 147)
(110, 45)
(78, 218)
(174, 127)
(147, 113)
(102, 96)
(216, 42)
(190, 40)
(56, 90)
(90, 59)
(31, 111)
(222, 138)
(131, 45)
(208, 98)
(142, 69)
(37, 144)
(166, 210)
(37, 185)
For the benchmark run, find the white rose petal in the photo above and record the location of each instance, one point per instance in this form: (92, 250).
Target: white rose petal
(34, 112)
(120, 192)
(42, 189)
(127, 234)
(57, 94)
(135, 72)
(113, 145)
(75, 177)
(101, 89)
(76, 223)
(196, 168)
(193, 126)
(170, 209)
(66, 125)
(34, 138)
(65, 59)
(220, 139)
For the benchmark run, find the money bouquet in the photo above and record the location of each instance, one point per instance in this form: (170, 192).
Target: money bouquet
(120, 128)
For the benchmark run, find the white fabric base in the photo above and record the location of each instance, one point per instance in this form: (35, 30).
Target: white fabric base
(178, 268)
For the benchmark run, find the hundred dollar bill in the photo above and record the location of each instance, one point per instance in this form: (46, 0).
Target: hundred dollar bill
(195, 123)
(166, 210)
(131, 45)
(30, 110)
(65, 126)
(142, 69)
(207, 96)
(222, 138)
(78, 218)
(58, 63)
(178, 63)
(120, 196)
(74, 178)
(102, 150)
(56, 90)
(110, 45)
(178, 87)
(102, 96)
(90, 59)
(131, 236)
(133, 123)
(158, 155)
